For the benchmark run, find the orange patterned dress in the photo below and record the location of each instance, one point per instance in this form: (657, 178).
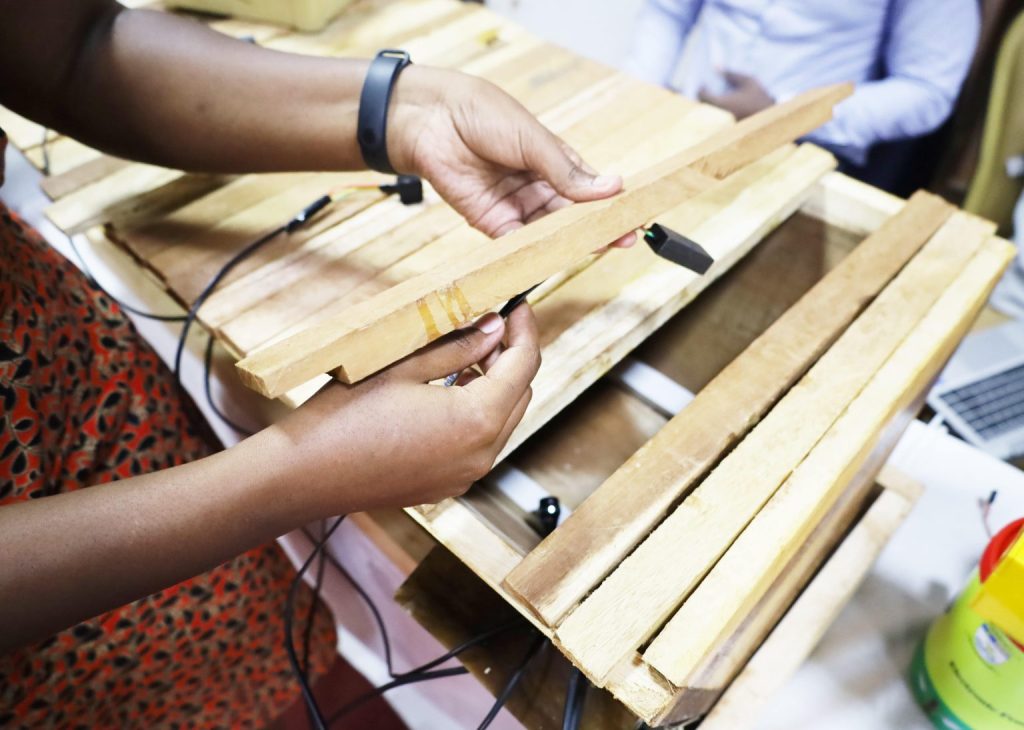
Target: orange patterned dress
(84, 401)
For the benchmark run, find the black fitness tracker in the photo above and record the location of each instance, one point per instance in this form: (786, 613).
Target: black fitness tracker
(373, 108)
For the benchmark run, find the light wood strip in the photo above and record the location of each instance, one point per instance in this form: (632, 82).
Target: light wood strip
(408, 316)
(571, 561)
(21, 132)
(713, 676)
(142, 191)
(795, 637)
(748, 567)
(64, 154)
(728, 221)
(326, 276)
(251, 330)
(57, 186)
(850, 204)
(630, 606)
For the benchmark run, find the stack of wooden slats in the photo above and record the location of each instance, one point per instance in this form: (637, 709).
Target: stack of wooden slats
(680, 558)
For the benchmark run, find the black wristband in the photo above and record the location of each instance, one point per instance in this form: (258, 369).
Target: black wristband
(373, 108)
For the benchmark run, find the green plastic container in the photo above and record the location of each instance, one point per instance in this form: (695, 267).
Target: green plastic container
(968, 674)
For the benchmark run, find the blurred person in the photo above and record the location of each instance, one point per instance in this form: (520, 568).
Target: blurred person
(907, 58)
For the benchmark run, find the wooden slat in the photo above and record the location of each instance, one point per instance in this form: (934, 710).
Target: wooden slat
(795, 637)
(132, 193)
(58, 186)
(408, 316)
(23, 133)
(718, 670)
(761, 133)
(63, 153)
(744, 572)
(571, 561)
(647, 587)
(454, 606)
(142, 191)
(332, 267)
(728, 221)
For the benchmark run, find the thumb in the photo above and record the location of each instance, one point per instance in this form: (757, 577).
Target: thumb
(738, 80)
(454, 352)
(561, 166)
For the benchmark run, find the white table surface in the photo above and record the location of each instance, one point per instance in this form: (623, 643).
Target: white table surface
(853, 680)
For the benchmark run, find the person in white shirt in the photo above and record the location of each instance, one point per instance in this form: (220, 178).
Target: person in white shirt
(907, 58)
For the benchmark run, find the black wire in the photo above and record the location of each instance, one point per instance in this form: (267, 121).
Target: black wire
(385, 638)
(128, 308)
(45, 149)
(240, 256)
(513, 680)
(317, 585)
(207, 365)
(575, 697)
(289, 615)
(398, 682)
(377, 617)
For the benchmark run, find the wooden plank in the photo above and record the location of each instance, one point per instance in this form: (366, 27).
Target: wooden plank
(582, 446)
(593, 344)
(573, 559)
(64, 154)
(251, 329)
(743, 574)
(23, 133)
(57, 186)
(333, 278)
(795, 637)
(761, 133)
(641, 594)
(850, 204)
(275, 296)
(139, 191)
(365, 27)
(483, 550)
(190, 265)
(694, 347)
(454, 606)
(728, 221)
(416, 312)
(715, 673)
(132, 193)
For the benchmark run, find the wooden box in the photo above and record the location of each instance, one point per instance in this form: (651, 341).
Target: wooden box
(808, 346)
(306, 15)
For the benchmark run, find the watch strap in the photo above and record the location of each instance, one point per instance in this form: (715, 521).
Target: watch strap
(373, 107)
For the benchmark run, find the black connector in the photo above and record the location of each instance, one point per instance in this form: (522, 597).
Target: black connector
(544, 519)
(308, 212)
(408, 187)
(677, 248)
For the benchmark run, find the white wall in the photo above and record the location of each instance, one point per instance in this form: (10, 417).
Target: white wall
(601, 30)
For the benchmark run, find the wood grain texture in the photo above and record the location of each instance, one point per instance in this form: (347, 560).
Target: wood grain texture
(452, 603)
(728, 221)
(805, 623)
(647, 587)
(743, 574)
(401, 320)
(331, 275)
(572, 560)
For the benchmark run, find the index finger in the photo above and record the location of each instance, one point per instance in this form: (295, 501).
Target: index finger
(510, 374)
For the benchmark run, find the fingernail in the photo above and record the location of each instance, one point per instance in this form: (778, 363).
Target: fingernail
(489, 323)
(605, 181)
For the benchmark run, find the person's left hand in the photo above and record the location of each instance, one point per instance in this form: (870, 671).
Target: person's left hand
(484, 153)
(746, 97)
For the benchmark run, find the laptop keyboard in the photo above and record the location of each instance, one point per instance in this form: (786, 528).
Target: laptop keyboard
(991, 406)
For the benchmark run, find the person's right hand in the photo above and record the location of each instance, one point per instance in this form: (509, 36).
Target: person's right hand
(395, 440)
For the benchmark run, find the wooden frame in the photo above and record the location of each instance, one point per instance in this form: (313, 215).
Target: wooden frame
(798, 445)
